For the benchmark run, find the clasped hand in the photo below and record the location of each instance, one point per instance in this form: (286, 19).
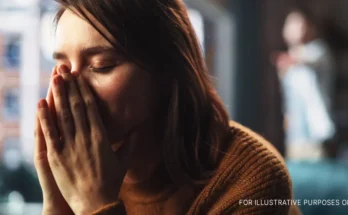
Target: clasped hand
(78, 171)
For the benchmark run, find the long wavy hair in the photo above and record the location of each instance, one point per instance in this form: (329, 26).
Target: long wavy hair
(158, 36)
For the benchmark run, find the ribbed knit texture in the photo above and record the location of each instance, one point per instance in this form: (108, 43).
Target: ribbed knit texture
(251, 170)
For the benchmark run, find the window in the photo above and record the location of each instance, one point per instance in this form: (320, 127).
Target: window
(11, 52)
(11, 109)
(47, 41)
(197, 21)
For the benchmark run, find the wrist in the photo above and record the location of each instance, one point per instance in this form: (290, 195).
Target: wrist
(55, 210)
(95, 206)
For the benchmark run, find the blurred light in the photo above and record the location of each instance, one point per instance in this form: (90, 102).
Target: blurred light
(47, 36)
(25, 3)
(15, 203)
(196, 19)
(11, 159)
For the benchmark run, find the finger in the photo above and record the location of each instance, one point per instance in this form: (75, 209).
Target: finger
(40, 144)
(93, 116)
(48, 129)
(42, 166)
(76, 105)
(62, 69)
(64, 118)
(50, 98)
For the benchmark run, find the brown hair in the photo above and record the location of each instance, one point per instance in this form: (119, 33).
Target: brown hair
(157, 35)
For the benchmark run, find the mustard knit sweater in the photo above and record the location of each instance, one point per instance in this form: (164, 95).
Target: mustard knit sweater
(251, 179)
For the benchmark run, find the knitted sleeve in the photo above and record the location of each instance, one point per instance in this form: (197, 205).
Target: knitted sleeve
(252, 179)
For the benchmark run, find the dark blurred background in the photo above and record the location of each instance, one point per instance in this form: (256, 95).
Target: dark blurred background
(279, 65)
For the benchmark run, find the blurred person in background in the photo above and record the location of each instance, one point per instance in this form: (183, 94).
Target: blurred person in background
(306, 72)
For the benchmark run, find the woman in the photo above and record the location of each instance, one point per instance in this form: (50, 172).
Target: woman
(132, 124)
(306, 73)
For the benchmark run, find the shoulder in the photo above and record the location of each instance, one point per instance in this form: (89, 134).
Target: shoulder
(252, 170)
(243, 138)
(259, 162)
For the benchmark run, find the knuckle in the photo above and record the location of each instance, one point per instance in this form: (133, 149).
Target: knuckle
(53, 158)
(89, 101)
(45, 122)
(49, 132)
(40, 159)
(44, 117)
(65, 116)
(97, 137)
(83, 139)
(76, 105)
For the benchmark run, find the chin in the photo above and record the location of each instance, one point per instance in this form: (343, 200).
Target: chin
(116, 138)
(114, 132)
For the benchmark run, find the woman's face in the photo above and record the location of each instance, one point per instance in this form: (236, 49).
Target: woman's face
(294, 28)
(125, 93)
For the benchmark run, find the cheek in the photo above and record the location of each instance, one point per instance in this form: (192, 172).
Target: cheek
(127, 96)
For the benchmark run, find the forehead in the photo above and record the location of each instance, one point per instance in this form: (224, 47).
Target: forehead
(74, 31)
(295, 18)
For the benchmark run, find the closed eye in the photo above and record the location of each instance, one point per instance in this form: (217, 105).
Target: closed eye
(101, 69)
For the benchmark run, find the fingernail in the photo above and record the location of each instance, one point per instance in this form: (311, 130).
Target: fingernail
(57, 80)
(42, 104)
(63, 69)
(54, 71)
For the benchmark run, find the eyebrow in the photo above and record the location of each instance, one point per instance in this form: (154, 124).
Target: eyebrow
(88, 52)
